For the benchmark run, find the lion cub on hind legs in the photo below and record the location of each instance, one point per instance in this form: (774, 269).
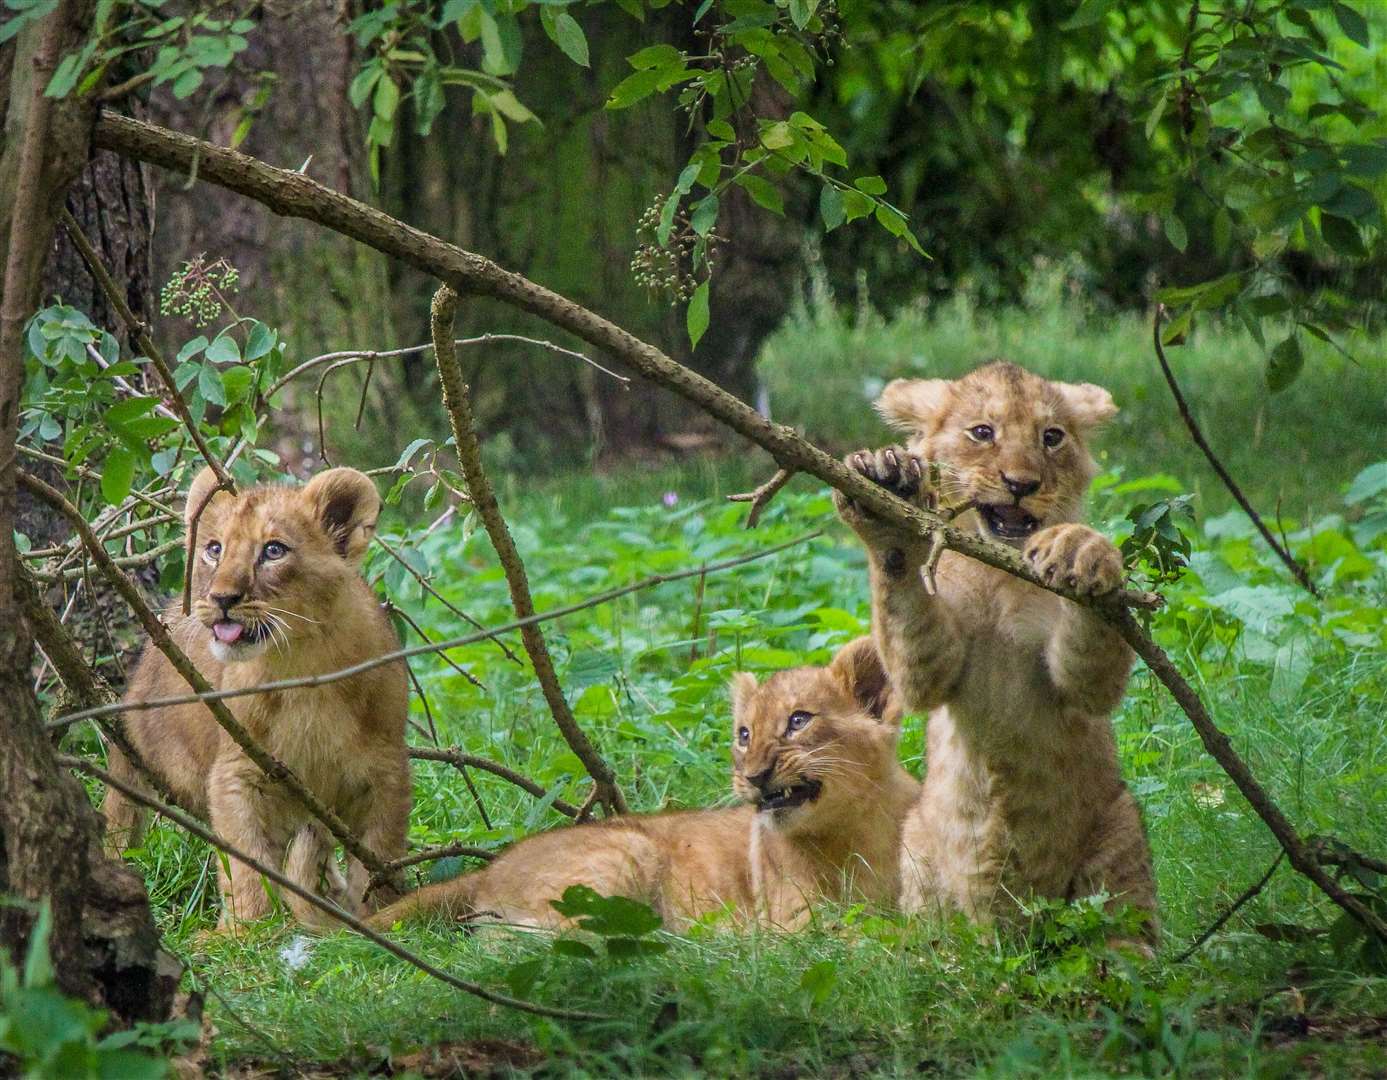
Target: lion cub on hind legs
(1022, 793)
(813, 761)
(278, 593)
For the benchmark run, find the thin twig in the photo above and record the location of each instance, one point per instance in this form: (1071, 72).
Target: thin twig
(159, 636)
(124, 562)
(1297, 571)
(190, 552)
(394, 948)
(433, 734)
(461, 761)
(457, 402)
(760, 498)
(394, 609)
(324, 679)
(427, 586)
(443, 851)
(1232, 909)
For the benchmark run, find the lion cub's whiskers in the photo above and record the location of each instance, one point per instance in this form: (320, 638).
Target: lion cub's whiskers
(294, 614)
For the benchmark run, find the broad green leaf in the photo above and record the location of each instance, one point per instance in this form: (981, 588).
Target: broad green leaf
(209, 384)
(1368, 483)
(117, 474)
(1284, 364)
(191, 349)
(653, 57)
(871, 185)
(387, 98)
(634, 88)
(831, 207)
(1352, 23)
(697, 315)
(569, 37)
(705, 215)
(260, 341)
(224, 350)
(1088, 13)
(762, 192)
(1175, 230)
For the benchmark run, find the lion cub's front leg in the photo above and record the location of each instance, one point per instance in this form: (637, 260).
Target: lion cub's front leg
(1087, 659)
(916, 632)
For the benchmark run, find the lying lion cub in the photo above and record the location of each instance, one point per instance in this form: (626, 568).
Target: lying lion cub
(277, 594)
(1022, 793)
(814, 759)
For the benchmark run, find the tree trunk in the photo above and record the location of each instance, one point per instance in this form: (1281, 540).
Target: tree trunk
(103, 943)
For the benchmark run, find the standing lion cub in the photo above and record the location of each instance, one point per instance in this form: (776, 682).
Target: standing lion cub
(278, 593)
(813, 760)
(1022, 794)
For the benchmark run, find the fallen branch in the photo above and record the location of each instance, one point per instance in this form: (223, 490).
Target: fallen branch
(462, 761)
(1297, 571)
(760, 498)
(457, 402)
(159, 636)
(324, 679)
(296, 195)
(346, 918)
(1232, 909)
(443, 851)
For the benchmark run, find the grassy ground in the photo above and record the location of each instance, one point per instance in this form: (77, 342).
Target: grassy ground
(1298, 687)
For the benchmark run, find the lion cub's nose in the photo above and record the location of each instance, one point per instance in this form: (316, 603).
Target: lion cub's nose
(1020, 488)
(226, 601)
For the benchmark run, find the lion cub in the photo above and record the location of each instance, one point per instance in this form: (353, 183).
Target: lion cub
(277, 594)
(1022, 793)
(814, 762)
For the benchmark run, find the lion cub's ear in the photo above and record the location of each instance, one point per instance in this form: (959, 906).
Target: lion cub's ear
(742, 687)
(859, 670)
(1088, 404)
(346, 504)
(913, 404)
(204, 482)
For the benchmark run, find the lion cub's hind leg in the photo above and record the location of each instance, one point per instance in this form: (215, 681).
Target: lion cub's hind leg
(126, 820)
(1119, 864)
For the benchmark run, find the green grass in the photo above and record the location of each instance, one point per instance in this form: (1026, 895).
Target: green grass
(1298, 689)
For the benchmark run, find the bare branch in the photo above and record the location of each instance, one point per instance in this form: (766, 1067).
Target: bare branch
(395, 609)
(1232, 909)
(469, 450)
(1297, 571)
(346, 918)
(460, 760)
(159, 636)
(443, 851)
(124, 562)
(760, 498)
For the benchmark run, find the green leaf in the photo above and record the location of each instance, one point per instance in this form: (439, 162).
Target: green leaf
(762, 192)
(236, 382)
(1284, 364)
(777, 136)
(1342, 235)
(364, 83)
(1368, 483)
(705, 215)
(831, 207)
(818, 981)
(1175, 230)
(697, 316)
(387, 98)
(117, 474)
(260, 341)
(569, 37)
(1089, 12)
(871, 185)
(186, 84)
(634, 88)
(500, 43)
(224, 350)
(209, 384)
(191, 349)
(1354, 26)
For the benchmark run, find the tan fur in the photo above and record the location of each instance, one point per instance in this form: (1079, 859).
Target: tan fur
(312, 613)
(1022, 794)
(769, 866)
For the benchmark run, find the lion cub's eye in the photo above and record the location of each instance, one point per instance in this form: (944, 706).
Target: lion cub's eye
(743, 736)
(1053, 437)
(798, 720)
(213, 551)
(981, 433)
(275, 550)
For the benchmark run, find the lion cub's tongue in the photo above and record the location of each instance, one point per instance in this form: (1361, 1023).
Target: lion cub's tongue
(228, 632)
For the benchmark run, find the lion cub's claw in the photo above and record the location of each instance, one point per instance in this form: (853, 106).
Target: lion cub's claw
(894, 468)
(1075, 556)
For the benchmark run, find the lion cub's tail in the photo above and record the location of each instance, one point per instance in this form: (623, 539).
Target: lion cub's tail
(451, 899)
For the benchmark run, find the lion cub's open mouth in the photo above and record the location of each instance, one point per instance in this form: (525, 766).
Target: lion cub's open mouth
(1009, 522)
(228, 632)
(797, 794)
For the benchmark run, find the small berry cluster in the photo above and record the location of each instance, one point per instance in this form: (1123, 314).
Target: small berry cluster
(197, 289)
(666, 270)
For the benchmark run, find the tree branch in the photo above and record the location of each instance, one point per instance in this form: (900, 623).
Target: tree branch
(1232, 909)
(394, 948)
(276, 770)
(760, 498)
(469, 450)
(1297, 571)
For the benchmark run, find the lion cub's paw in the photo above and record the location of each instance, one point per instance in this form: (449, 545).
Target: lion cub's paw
(1076, 556)
(897, 470)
